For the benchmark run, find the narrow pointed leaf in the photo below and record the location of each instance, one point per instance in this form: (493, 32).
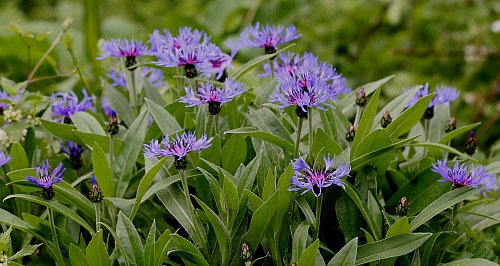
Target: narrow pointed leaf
(347, 255)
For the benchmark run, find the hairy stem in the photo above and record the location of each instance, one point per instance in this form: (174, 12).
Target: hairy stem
(57, 250)
(319, 201)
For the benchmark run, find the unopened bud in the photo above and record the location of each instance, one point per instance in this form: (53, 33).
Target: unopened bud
(452, 125)
(351, 132)
(386, 119)
(361, 97)
(95, 194)
(470, 144)
(246, 253)
(402, 208)
(113, 124)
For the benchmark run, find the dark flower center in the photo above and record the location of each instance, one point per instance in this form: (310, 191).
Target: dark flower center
(429, 113)
(299, 111)
(67, 120)
(180, 163)
(269, 50)
(190, 71)
(214, 108)
(48, 193)
(130, 63)
(223, 77)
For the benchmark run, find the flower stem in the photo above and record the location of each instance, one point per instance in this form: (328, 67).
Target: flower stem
(215, 122)
(111, 150)
(311, 130)
(57, 250)
(297, 140)
(271, 68)
(359, 111)
(319, 202)
(97, 207)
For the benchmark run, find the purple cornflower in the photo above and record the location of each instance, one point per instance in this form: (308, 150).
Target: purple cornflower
(4, 159)
(152, 75)
(443, 95)
(66, 104)
(45, 179)
(289, 62)
(214, 96)
(460, 176)
(312, 178)
(267, 37)
(74, 151)
(123, 48)
(177, 147)
(106, 107)
(190, 49)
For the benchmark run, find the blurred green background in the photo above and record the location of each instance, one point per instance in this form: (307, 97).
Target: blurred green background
(452, 42)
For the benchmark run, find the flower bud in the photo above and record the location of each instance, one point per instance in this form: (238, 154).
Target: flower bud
(386, 119)
(246, 253)
(452, 125)
(402, 208)
(470, 144)
(361, 97)
(113, 124)
(351, 132)
(95, 194)
(429, 112)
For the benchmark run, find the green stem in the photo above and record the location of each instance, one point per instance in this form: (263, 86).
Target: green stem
(454, 213)
(179, 83)
(359, 111)
(271, 68)
(132, 93)
(97, 207)
(111, 150)
(311, 130)
(297, 140)
(427, 129)
(319, 202)
(57, 250)
(215, 122)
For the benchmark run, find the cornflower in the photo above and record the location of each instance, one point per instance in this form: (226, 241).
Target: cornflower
(45, 179)
(123, 48)
(66, 104)
(462, 175)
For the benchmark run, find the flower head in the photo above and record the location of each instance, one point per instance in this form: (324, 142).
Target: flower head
(151, 75)
(123, 48)
(177, 147)
(95, 194)
(214, 96)
(443, 95)
(461, 175)
(74, 151)
(267, 37)
(106, 106)
(314, 178)
(4, 159)
(66, 104)
(45, 178)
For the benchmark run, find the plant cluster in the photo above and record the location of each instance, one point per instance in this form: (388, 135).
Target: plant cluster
(193, 159)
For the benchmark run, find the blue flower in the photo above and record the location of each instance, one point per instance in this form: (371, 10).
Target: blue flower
(461, 175)
(443, 95)
(152, 75)
(191, 49)
(123, 48)
(312, 178)
(106, 106)
(45, 179)
(267, 37)
(95, 194)
(212, 95)
(4, 159)
(177, 147)
(74, 151)
(66, 104)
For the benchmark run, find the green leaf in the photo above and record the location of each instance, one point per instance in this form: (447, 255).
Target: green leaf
(366, 121)
(131, 241)
(396, 106)
(376, 140)
(119, 103)
(166, 122)
(409, 117)
(347, 255)
(390, 247)
(324, 144)
(85, 122)
(348, 216)
(255, 62)
(146, 181)
(443, 147)
(149, 246)
(309, 255)
(97, 252)
(56, 207)
(187, 251)
(444, 202)
(102, 171)
(69, 195)
(266, 91)
(402, 226)
(230, 200)
(250, 131)
(60, 130)
(166, 182)
(161, 247)
(25, 251)
(347, 101)
(247, 177)
(261, 219)
(76, 256)
(335, 124)
(103, 141)
(237, 148)
(19, 158)
(125, 161)
(458, 132)
(471, 262)
(220, 231)
(266, 120)
(363, 208)
(16, 222)
(299, 241)
(306, 210)
(173, 199)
